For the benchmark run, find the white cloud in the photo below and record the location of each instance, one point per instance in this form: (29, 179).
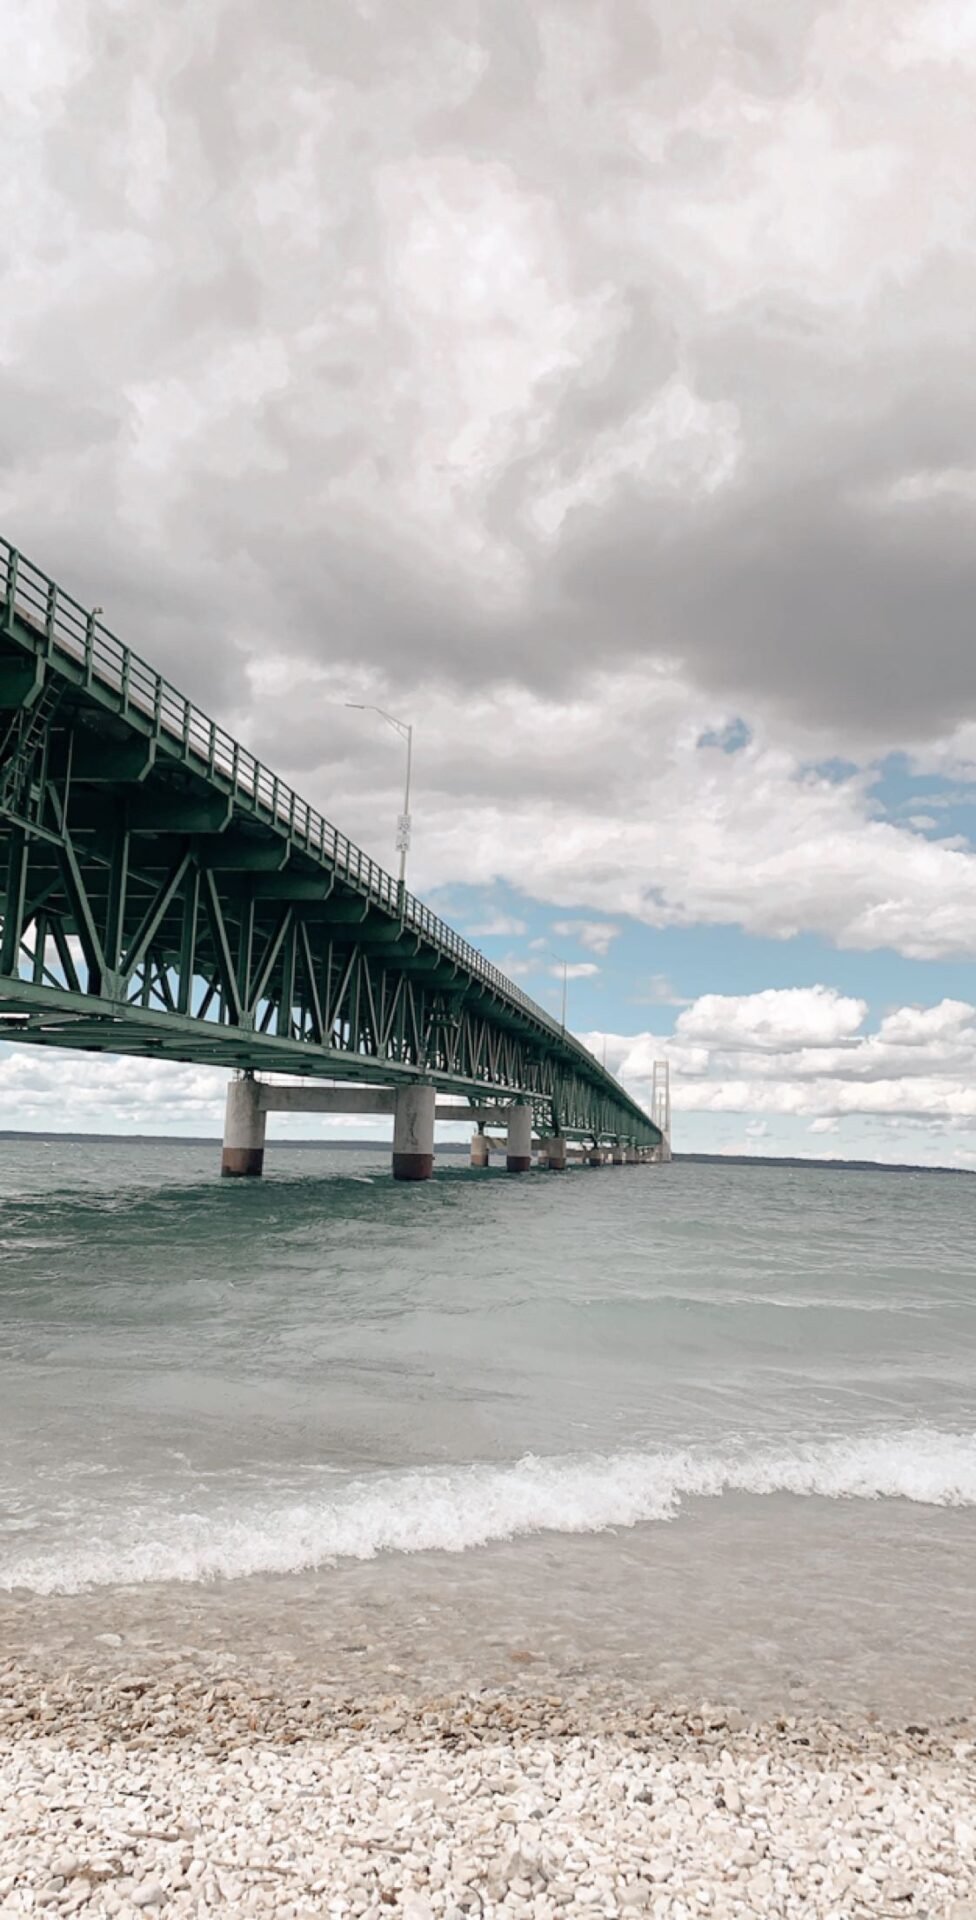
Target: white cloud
(778, 1018)
(925, 1026)
(658, 991)
(596, 935)
(67, 1092)
(603, 291)
(939, 30)
(804, 1055)
(539, 793)
(515, 965)
(498, 926)
(575, 970)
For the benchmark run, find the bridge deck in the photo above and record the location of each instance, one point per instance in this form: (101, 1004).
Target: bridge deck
(167, 895)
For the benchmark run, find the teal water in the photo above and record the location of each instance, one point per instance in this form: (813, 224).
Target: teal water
(208, 1380)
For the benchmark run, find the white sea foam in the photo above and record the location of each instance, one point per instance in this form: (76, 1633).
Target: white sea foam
(455, 1509)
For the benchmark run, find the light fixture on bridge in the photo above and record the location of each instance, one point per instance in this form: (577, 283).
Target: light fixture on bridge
(405, 730)
(562, 961)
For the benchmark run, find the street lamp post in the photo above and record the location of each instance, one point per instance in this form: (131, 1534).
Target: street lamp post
(564, 963)
(405, 730)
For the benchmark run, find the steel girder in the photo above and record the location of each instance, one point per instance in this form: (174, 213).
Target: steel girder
(158, 897)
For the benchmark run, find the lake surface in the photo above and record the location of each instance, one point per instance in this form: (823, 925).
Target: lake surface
(689, 1428)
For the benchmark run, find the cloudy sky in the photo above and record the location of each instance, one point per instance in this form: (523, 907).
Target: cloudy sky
(592, 384)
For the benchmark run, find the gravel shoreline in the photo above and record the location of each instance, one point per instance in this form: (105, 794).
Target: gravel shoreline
(189, 1789)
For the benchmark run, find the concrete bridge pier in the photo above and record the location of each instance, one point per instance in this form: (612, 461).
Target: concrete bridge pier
(518, 1156)
(413, 1133)
(414, 1109)
(245, 1122)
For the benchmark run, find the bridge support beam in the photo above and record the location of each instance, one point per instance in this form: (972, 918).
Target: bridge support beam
(244, 1129)
(518, 1157)
(557, 1153)
(479, 1148)
(366, 1100)
(594, 1156)
(617, 1156)
(632, 1156)
(413, 1133)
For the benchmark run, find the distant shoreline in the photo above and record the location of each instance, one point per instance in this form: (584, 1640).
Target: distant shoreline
(461, 1147)
(800, 1160)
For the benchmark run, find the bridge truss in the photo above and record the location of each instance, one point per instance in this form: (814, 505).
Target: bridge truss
(165, 895)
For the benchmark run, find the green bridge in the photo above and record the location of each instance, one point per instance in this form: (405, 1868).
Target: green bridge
(166, 895)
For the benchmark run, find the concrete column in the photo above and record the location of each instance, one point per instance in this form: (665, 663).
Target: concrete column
(413, 1133)
(542, 1153)
(518, 1157)
(617, 1156)
(594, 1156)
(557, 1153)
(244, 1127)
(632, 1156)
(479, 1149)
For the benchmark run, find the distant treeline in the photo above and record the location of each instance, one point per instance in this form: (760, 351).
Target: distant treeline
(799, 1160)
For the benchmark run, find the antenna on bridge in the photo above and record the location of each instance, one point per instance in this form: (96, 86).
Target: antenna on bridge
(661, 1104)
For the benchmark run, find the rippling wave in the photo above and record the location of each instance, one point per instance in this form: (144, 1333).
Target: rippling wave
(457, 1509)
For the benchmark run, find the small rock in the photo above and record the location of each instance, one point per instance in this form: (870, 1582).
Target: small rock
(75, 1896)
(635, 1893)
(150, 1894)
(661, 1869)
(416, 1906)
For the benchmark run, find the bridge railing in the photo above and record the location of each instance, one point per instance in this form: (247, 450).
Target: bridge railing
(69, 629)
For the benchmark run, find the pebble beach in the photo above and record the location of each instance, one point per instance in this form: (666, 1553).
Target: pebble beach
(195, 1787)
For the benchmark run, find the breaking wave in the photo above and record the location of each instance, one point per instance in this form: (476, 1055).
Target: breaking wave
(454, 1509)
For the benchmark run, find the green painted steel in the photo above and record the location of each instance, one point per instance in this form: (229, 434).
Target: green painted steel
(164, 894)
